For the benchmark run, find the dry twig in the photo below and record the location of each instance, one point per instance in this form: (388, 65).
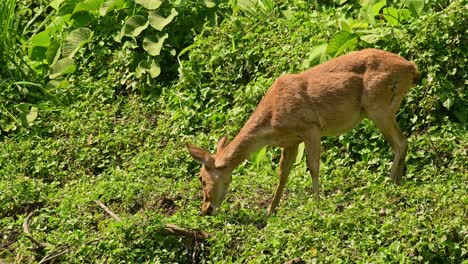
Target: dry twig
(197, 234)
(40, 245)
(115, 216)
(49, 257)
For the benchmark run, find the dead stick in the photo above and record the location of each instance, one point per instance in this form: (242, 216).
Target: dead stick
(116, 217)
(48, 258)
(197, 234)
(40, 245)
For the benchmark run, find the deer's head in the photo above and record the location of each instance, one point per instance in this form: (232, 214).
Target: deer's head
(215, 180)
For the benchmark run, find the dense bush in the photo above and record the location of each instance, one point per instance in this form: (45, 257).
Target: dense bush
(57, 44)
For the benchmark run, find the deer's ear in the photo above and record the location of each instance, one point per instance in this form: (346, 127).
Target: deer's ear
(223, 142)
(201, 156)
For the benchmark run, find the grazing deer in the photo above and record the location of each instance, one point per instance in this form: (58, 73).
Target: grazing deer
(329, 99)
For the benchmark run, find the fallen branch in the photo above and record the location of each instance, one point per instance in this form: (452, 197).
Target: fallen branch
(115, 216)
(40, 245)
(49, 257)
(62, 250)
(196, 234)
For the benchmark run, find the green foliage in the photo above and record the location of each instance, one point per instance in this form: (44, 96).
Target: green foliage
(66, 37)
(440, 41)
(83, 119)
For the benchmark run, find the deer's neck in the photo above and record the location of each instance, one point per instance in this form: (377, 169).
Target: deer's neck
(248, 140)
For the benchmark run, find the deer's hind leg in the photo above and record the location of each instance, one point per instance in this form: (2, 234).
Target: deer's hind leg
(392, 133)
(382, 103)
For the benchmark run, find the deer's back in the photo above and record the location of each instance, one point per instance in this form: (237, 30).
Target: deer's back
(338, 94)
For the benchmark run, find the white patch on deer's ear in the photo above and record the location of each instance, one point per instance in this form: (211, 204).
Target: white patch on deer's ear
(201, 156)
(222, 143)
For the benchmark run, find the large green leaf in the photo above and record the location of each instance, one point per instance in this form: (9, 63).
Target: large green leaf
(348, 45)
(37, 53)
(61, 67)
(377, 7)
(41, 39)
(371, 36)
(110, 5)
(75, 40)
(340, 42)
(56, 4)
(149, 4)
(152, 67)
(416, 7)
(82, 19)
(153, 45)
(133, 26)
(392, 15)
(315, 55)
(53, 52)
(91, 6)
(158, 22)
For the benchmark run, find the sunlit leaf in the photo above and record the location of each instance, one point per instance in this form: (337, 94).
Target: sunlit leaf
(134, 26)
(373, 35)
(391, 14)
(358, 23)
(152, 67)
(56, 4)
(259, 157)
(210, 3)
(267, 5)
(448, 103)
(75, 40)
(416, 7)
(341, 41)
(378, 6)
(149, 4)
(158, 22)
(41, 39)
(91, 6)
(153, 45)
(53, 52)
(61, 67)
(405, 14)
(111, 5)
(345, 26)
(32, 115)
(349, 45)
(315, 55)
(300, 154)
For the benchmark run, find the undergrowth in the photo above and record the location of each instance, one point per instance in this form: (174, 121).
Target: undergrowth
(103, 134)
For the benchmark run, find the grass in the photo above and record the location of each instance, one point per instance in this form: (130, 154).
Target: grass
(121, 156)
(103, 138)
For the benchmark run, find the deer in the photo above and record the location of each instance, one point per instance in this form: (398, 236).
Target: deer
(326, 100)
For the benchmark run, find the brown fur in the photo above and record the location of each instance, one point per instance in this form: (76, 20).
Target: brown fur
(329, 99)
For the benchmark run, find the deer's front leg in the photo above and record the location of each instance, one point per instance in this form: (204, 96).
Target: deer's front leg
(312, 148)
(288, 155)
